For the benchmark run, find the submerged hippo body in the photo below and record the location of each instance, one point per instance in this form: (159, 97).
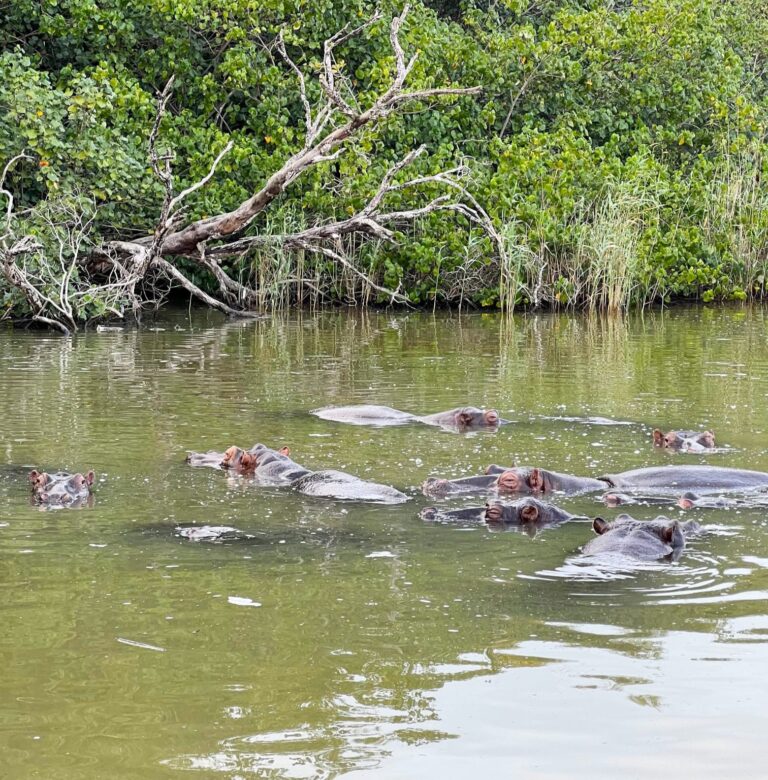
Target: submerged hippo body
(645, 540)
(330, 483)
(527, 513)
(516, 480)
(61, 489)
(462, 418)
(684, 441)
(365, 414)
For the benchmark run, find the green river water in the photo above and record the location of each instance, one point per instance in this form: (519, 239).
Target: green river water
(356, 640)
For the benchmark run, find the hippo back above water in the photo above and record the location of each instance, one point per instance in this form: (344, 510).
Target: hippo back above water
(702, 479)
(330, 483)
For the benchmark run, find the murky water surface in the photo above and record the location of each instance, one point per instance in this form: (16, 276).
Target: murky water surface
(355, 639)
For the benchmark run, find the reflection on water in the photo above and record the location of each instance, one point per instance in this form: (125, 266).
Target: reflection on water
(337, 637)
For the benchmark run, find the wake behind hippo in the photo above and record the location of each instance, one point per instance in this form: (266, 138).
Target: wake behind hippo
(463, 418)
(642, 540)
(523, 480)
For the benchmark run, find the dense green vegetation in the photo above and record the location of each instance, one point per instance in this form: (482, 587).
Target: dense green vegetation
(617, 146)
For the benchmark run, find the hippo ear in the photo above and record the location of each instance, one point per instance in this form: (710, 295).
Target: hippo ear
(529, 513)
(536, 480)
(33, 475)
(658, 438)
(285, 451)
(600, 526)
(89, 477)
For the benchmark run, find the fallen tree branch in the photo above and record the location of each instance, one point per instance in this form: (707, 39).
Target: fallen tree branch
(319, 146)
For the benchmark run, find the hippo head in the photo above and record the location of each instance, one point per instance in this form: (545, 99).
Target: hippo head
(236, 458)
(662, 527)
(659, 538)
(682, 440)
(472, 417)
(521, 480)
(66, 490)
(528, 513)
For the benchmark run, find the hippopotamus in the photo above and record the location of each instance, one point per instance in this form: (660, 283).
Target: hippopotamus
(60, 489)
(275, 467)
(527, 513)
(684, 441)
(329, 483)
(463, 418)
(659, 479)
(646, 540)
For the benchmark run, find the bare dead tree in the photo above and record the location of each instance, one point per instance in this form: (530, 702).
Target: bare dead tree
(328, 130)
